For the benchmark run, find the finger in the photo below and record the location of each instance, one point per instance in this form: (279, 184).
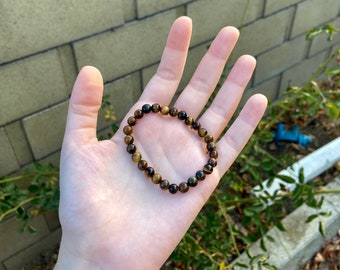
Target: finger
(164, 83)
(240, 131)
(83, 109)
(226, 101)
(204, 81)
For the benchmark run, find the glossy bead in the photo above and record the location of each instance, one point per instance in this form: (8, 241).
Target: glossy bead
(211, 146)
(136, 157)
(156, 178)
(208, 169)
(173, 188)
(202, 132)
(164, 184)
(182, 115)
(196, 125)
(149, 171)
(142, 165)
(156, 107)
(165, 110)
(212, 162)
(188, 121)
(131, 148)
(127, 130)
(146, 108)
(200, 175)
(138, 114)
(173, 111)
(208, 138)
(128, 139)
(213, 154)
(183, 187)
(192, 181)
(131, 121)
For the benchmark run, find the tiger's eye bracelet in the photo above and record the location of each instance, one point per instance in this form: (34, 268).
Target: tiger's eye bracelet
(149, 171)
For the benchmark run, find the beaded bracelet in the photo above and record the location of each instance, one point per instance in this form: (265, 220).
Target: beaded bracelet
(143, 165)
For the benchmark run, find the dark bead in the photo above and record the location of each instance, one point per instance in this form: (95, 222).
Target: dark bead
(213, 154)
(208, 138)
(164, 184)
(202, 132)
(200, 175)
(208, 169)
(211, 146)
(182, 115)
(183, 187)
(156, 107)
(196, 125)
(156, 178)
(131, 121)
(127, 130)
(142, 165)
(173, 111)
(128, 139)
(192, 181)
(212, 162)
(149, 171)
(131, 148)
(165, 110)
(138, 114)
(146, 108)
(136, 157)
(188, 121)
(173, 188)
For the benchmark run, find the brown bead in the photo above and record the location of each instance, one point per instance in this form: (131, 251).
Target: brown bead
(182, 115)
(131, 148)
(156, 107)
(164, 184)
(128, 139)
(208, 169)
(200, 175)
(173, 188)
(192, 181)
(173, 111)
(188, 121)
(156, 178)
(211, 146)
(165, 110)
(127, 130)
(183, 187)
(136, 157)
(212, 162)
(131, 121)
(149, 171)
(138, 114)
(202, 132)
(142, 165)
(208, 138)
(213, 154)
(196, 125)
(146, 108)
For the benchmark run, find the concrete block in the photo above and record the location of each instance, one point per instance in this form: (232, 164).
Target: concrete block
(274, 5)
(147, 7)
(210, 16)
(45, 129)
(29, 85)
(54, 159)
(300, 73)
(52, 220)
(280, 58)
(130, 10)
(312, 13)
(27, 256)
(126, 49)
(19, 142)
(8, 160)
(68, 65)
(12, 241)
(30, 27)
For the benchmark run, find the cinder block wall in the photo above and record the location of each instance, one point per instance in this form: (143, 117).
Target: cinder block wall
(43, 44)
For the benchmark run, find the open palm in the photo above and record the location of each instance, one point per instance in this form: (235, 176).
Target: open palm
(112, 215)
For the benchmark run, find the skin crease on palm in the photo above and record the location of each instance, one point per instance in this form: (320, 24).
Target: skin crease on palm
(112, 216)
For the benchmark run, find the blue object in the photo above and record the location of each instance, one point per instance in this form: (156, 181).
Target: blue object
(292, 135)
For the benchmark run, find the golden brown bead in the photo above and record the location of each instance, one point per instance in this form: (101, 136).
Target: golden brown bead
(136, 156)
(208, 138)
(142, 165)
(213, 154)
(138, 114)
(208, 169)
(183, 187)
(131, 148)
(202, 132)
(127, 130)
(188, 121)
(156, 107)
(156, 178)
(173, 111)
(211, 146)
(131, 121)
(173, 188)
(165, 110)
(212, 162)
(128, 139)
(164, 184)
(149, 171)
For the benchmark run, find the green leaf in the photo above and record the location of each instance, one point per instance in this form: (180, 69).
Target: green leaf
(333, 110)
(286, 179)
(332, 71)
(311, 218)
(280, 226)
(322, 229)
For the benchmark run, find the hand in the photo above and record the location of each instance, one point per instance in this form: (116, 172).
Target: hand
(112, 216)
